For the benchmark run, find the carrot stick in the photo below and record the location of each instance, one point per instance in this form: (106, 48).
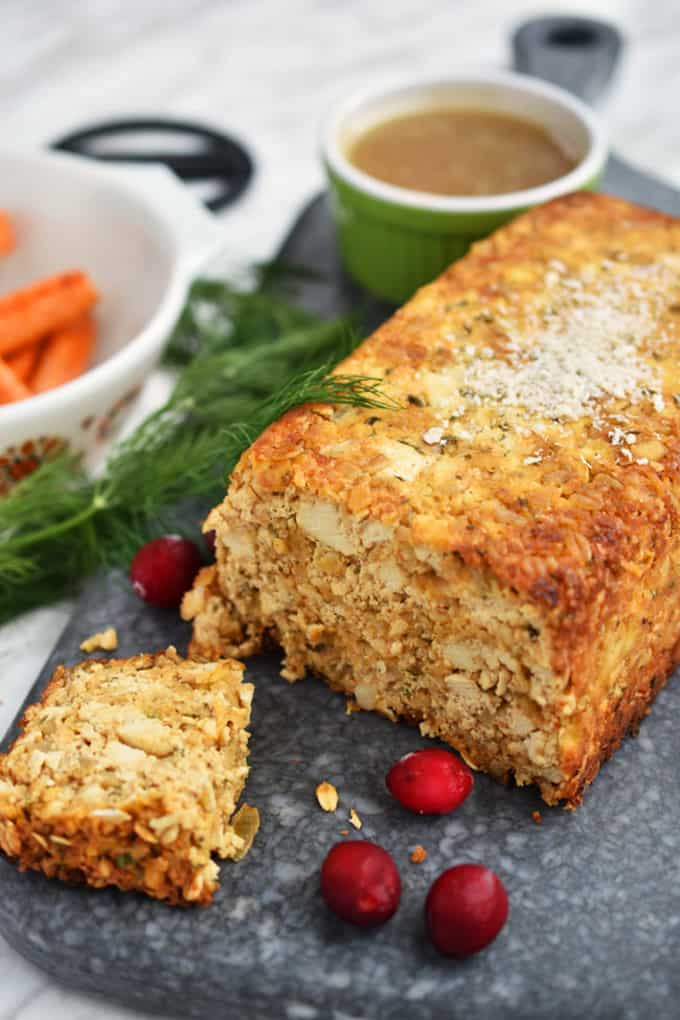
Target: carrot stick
(23, 362)
(65, 355)
(7, 238)
(11, 387)
(45, 307)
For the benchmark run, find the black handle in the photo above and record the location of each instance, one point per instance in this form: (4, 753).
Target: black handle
(580, 54)
(215, 157)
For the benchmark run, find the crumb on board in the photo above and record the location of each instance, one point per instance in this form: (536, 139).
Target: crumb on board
(354, 819)
(418, 854)
(536, 817)
(104, 640)
(344, 832)
(246, 825)
(327, 796)
(351, 706)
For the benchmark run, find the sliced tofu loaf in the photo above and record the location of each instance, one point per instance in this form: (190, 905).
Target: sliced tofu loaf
(128, 772)
(499, 559)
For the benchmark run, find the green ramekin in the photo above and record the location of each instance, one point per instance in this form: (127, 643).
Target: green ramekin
(394, 239)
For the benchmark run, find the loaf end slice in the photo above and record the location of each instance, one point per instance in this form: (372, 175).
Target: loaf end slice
(127, 773)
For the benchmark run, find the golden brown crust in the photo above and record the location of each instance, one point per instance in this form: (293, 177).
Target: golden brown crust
(549, 478)
(577, 231)
(127, 773)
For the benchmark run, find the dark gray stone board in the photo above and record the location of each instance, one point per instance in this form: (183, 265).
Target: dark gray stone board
(594, 928)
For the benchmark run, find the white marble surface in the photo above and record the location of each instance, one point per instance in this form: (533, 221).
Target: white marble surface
(268, 72)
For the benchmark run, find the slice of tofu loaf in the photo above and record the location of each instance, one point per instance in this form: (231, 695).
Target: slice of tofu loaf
(498, 559)
(128, 772)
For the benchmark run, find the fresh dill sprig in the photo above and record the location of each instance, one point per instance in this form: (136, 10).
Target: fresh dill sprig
(218, 315)
(245, 365)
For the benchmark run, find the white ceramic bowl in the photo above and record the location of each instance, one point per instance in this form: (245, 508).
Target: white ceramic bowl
(142, 237)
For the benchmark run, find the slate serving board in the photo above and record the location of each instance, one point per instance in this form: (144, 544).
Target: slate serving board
(594, 928)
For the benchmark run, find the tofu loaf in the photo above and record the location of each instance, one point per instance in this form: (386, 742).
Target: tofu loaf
(498, 559)
(128, 772)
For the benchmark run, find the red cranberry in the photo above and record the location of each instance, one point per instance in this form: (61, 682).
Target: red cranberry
(431, 782)
(360, 883)
(465, 909)
(163, 570)
(210, 537)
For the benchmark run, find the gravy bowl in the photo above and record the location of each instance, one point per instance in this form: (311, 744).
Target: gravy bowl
(394, 239)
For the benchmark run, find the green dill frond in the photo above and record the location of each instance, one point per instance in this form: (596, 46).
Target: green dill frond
(52, 491)
(218, 315)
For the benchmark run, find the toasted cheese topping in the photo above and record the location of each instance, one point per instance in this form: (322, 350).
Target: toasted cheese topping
(583, 348)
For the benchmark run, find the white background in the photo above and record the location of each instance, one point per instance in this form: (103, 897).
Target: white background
(268, 72)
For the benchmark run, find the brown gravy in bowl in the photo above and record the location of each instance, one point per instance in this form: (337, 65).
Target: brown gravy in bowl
(460, 152)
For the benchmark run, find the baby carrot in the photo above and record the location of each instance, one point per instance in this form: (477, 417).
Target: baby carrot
(11, 387)
(45, 307)
(65, 355)
(24, 361)
(6, 234)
